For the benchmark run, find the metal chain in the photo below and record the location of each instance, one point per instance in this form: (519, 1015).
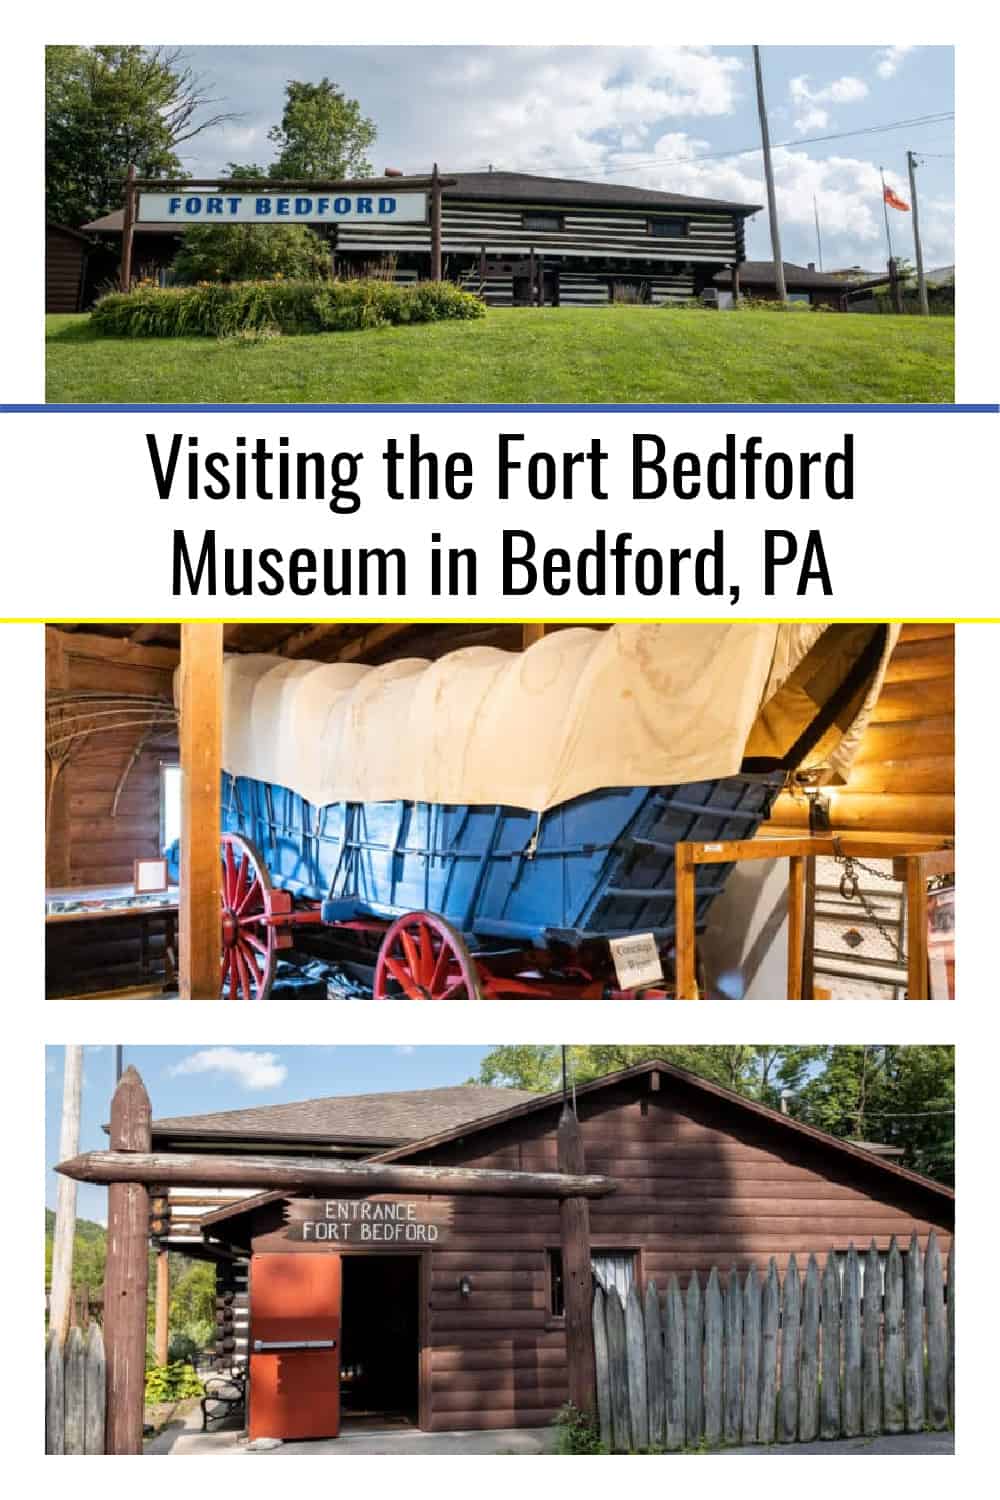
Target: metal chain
(850, 890)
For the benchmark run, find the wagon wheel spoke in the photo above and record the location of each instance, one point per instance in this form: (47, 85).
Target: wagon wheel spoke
(412, 958)
(440, 973)
(242, 974)
(251, 964)
(254, 942)
(254, 889)
(229, 883)
(428, 958)
(241, 881)
(402, 977)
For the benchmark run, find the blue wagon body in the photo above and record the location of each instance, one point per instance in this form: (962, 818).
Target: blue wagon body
(599, 866)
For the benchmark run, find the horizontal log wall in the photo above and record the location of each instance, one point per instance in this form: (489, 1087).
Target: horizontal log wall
(903, 780)
(468, 226)
(697, 1186)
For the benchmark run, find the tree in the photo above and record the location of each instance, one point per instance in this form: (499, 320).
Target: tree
(322, 134)
(107, 107)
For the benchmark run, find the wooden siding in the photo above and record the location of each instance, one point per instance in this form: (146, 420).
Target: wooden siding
(65, 257)
(468, 227)
(903, 780)
(700, 1183)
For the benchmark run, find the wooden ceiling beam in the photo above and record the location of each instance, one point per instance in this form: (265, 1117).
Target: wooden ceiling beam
(300, 642)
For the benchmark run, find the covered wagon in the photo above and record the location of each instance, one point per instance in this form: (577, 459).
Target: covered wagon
(488, 824)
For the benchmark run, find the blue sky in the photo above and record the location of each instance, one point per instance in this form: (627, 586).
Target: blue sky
(651, 117)
(192, 1080)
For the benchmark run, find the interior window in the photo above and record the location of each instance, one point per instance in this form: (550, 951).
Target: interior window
(170, 805)
(610, 1268)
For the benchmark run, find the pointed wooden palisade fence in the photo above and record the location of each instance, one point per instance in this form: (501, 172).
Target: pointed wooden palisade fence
(858, 1349)
(75, 1392)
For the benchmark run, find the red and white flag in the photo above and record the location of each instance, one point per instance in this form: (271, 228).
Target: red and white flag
(894, 200)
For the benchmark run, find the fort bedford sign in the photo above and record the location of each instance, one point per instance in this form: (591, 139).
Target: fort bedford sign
(208, 206)
(384, 1220)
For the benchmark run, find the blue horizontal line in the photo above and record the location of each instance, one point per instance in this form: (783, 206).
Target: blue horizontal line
(539, 409)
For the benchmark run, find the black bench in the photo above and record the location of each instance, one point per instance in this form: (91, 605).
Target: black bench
(225, 1395)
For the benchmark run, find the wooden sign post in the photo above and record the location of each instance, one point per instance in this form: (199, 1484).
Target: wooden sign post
(126, 1275)
(435, 224)
(128, 231)
(574, 1232)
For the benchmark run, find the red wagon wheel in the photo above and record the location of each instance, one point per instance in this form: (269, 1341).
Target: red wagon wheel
(250, 939)
(422, 957)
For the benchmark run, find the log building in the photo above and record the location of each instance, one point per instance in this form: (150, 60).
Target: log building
(449, 1311)
(520, 239)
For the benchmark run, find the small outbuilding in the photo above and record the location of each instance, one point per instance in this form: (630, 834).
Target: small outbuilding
(66, 254)
(802, 284)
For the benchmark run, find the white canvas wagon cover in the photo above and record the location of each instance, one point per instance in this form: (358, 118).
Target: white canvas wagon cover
(635, 705)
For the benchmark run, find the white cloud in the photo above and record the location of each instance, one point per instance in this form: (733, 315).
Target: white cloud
(809, 102)
(890, 60)
(253, 1070)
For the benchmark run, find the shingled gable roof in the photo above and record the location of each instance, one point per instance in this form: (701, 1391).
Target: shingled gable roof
(512, 187)
(749, 1107)
(376, 1119)
(797, 278)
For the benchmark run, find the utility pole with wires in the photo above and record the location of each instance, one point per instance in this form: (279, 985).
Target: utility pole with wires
(772, 207)
(912, 164)
(819, 240)
(61, 1290)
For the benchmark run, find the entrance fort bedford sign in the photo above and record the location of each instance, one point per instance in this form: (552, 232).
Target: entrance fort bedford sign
(218, 206)
(368, 1221)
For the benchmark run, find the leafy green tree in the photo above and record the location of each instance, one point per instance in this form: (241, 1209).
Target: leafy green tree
(322, 134)
(251, 252)
(107, 107)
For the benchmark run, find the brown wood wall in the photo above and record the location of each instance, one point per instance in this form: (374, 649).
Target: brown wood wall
(86, 846)
(700, 1184)
(64, 263)
(903, 780)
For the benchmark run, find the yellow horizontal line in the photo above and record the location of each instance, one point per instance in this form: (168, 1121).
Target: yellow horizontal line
(497, 620)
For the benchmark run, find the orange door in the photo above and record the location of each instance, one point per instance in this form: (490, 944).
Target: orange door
(295, 1346)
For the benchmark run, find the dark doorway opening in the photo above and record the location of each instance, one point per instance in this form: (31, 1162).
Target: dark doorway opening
(380, 1339)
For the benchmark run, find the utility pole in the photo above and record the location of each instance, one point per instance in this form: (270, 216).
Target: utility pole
(62, 1248)
(911, 164)
(819, 242)
(772, 207)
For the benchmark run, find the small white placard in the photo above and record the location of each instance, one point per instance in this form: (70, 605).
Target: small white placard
(636, 959)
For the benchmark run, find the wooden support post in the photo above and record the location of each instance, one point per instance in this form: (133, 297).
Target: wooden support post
(126, 1274)
(200, 941)
(540, 282)
(531, 276)
(531, 631)
(574, 1234)
(917, 985)
(796, 924)
(684, 923)
(162, 1332)
(435, 224)
(809, 933)
(734, 281)
(128, 231)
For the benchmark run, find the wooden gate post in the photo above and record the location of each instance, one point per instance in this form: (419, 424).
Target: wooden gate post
(435, 224)
(126, 1275)
(574, 1233)
(200, 916)
(128, 229)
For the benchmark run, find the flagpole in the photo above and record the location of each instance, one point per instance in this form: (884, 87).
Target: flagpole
(885, 212)
(819, 242)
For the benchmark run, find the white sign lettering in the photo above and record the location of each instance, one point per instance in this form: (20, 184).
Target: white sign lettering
(216, 206)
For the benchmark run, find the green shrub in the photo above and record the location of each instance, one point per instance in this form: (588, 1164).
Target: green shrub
(173, 1382)
(578, 1432)
(224, 310)
(251, 252)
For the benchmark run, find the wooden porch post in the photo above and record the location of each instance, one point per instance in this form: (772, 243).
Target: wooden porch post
(199, 926)
(574, 1233)
(435, 225)
(162, 1331)
(735, 281)
(126, 1274)
(128, 221)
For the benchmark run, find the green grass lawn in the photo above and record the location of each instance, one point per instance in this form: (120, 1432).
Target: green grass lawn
(613, 354)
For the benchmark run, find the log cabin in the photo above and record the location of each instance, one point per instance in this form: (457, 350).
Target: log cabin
(109, 801)
(449, 1310)
(518, 239)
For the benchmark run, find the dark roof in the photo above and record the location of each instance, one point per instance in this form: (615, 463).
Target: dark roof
(71, 234)
(531, 187)
(512, 187)
(379, 1119)
(783, 1123)
(797, 278)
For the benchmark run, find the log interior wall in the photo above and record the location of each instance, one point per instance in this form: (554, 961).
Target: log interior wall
(699, 1184)
(903, 780)
(87, 846)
